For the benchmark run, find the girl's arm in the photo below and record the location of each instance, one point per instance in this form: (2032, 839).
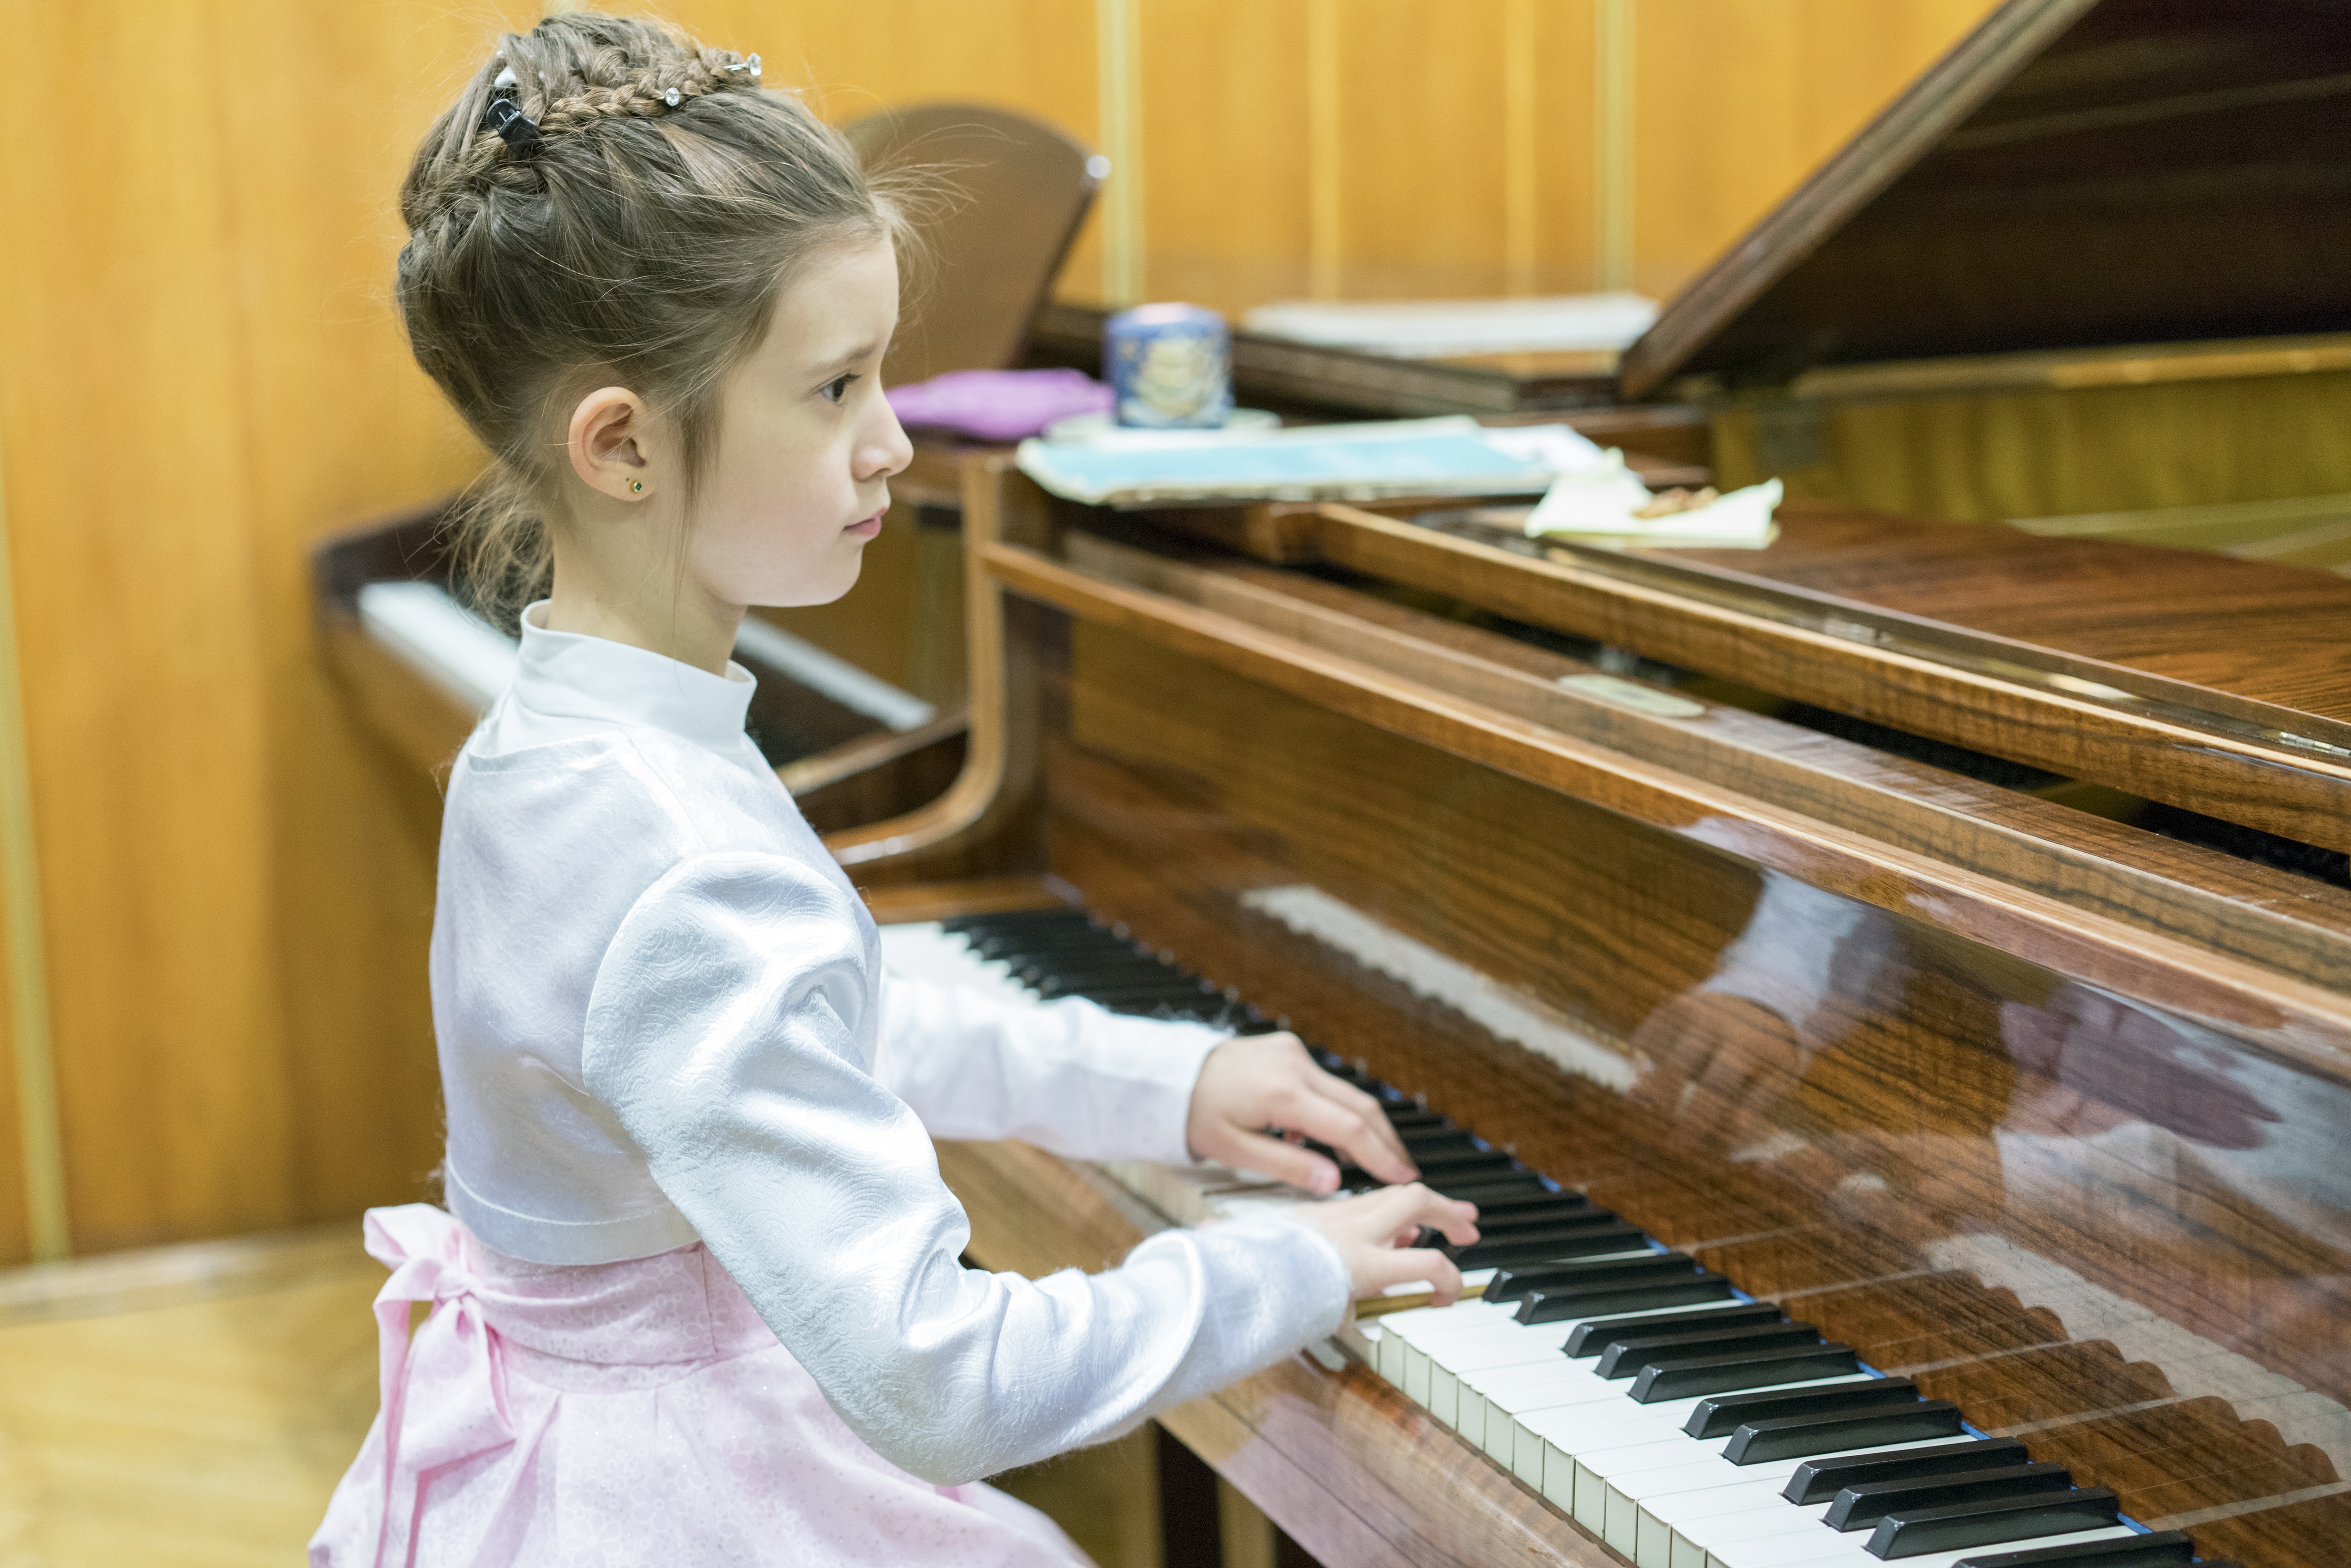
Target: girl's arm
(1070, 1077)
(1067, 1076)
(723, 1030)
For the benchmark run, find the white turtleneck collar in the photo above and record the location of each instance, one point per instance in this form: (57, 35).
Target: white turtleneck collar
(566, 683)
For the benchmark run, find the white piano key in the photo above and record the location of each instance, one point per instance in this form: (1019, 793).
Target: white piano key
(1512, 1404)
(1604, 1442)
(1592, 1430)
(1843, 1550)
(1499, 1366)
(1423, 1344)
(1508, 1348)
(1753, 1528)
(1711, 1488)
(1708, 1470)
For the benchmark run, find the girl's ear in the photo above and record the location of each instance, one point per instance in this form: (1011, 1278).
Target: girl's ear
(607, 447)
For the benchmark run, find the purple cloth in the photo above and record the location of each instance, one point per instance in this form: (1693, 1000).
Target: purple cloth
(998, 405)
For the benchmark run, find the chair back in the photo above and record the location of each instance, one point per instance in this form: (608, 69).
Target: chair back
(1015, 192)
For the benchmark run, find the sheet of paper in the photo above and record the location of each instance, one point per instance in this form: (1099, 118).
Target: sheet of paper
(1439, 328)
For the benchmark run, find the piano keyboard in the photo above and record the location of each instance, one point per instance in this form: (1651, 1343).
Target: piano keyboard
(1673, 1417)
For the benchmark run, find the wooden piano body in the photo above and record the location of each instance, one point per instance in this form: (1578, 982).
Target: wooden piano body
(1940, 931)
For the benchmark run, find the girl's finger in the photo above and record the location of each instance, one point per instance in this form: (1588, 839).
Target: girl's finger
(1347, 1131)
(1283, 1161)
(1409, 1266)
(1403, 1208)
(1378, 1131)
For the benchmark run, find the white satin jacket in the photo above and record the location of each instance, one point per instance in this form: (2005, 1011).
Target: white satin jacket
(661, 1017)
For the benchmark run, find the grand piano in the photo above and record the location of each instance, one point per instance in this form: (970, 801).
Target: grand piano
(1891, 990)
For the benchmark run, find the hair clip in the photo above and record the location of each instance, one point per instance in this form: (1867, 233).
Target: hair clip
(516, 128)
(672, 97)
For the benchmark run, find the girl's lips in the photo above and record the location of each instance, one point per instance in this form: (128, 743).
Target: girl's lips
(869, 528)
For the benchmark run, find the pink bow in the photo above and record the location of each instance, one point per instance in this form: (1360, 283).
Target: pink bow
(424, 1250)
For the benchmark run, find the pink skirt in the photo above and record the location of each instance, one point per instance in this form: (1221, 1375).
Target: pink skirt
(621, 1414)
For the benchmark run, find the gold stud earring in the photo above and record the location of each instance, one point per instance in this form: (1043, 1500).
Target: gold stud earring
(636, 485)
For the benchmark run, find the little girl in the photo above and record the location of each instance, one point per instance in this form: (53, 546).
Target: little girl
(697, 1297)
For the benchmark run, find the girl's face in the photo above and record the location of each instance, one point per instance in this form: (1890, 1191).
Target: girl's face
(806, 442)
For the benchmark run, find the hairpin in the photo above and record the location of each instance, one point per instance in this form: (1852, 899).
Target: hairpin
(749, 63)
(672, 97)
(514, 127)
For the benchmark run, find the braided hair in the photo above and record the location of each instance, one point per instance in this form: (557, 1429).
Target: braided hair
(607, 201)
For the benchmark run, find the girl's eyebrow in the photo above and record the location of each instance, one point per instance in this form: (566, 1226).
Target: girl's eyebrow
(854, 356)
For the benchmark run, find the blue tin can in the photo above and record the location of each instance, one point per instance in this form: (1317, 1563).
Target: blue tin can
(1170, 367)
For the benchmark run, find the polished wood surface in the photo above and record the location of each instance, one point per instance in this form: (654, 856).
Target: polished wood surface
(2208, 687)
(1937, 1108)
(2074, 172)
(2275, 635)
(2041, 1110)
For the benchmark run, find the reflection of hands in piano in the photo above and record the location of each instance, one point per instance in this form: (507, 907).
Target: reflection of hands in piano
(1256, 1082)
(1373, 1235)
(2092, 1063)
(1721, 1068)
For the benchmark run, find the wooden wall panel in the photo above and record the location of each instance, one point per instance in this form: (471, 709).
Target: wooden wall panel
(16, 1217)
(1421, 165)
(1735, 101)
(856, 55)
(1224, 123)
(129, 501)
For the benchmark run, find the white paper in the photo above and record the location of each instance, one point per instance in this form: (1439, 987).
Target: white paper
(1435, 328)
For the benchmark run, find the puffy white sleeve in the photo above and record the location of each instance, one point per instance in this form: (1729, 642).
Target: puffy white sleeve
(1068, 1076)
(721, 1031)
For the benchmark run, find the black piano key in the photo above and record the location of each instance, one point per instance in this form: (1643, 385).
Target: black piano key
(1512, 1284)
(1523, 1187)
(1916, 1531)
(1463, 1163)
(1598, 1301)
(1528, 1222)
(1725, 1413)
(1761, 1441)
(1597, 1338)
(1432, 1140)
(1096, 970)
(1405, 1116)
(2156, 1549)
(1504, 1222)
(1630, 1353)
(1818, 1481)
(1044, 944)
(1069, 974)
(1685, 1378)
(1505, 1206)
(1859, 1507)
(1549, 1245)
(1153, 990)
(1010, 919)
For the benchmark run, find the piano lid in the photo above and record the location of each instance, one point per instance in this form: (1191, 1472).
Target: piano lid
(2075, 174)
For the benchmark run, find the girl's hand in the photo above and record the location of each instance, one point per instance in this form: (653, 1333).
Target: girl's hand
(1373, 1235)
(1259, 1081)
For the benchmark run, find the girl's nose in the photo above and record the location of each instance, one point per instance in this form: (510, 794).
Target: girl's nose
(883, 449)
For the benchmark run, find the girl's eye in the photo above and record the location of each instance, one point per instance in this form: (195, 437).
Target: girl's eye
(838, 387)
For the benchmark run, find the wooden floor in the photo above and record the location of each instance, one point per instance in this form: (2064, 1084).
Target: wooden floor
(187, 1406)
